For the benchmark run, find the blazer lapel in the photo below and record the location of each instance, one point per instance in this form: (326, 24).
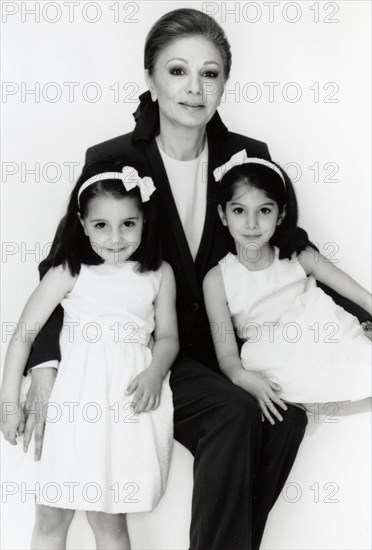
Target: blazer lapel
(147, 126)
(214, 156)
(166, 195)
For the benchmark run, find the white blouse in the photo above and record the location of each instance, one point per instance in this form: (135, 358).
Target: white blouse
(188, 182)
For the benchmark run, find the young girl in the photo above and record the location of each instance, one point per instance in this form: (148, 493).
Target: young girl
(298, 345)
(99, 453)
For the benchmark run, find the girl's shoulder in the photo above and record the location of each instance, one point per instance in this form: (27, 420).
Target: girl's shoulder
(300, 265)
(214, 288)
(225, 269)
(165, 268)
(214, 277)
(306, 259)
(165, 283)
(60, 275)
(55, 285)
(157, 279)
(229, 260)
(166, 273)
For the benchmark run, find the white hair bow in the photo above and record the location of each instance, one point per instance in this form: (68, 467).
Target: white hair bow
(242, 158)
(130, 178)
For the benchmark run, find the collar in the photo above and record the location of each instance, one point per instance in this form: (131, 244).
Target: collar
(147, 120)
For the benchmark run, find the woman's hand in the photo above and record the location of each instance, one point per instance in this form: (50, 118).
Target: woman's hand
(11, 419)
(42, 382)
(263, 390)
(147, 387)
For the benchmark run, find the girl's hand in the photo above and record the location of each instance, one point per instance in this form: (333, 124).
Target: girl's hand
(147, 387)
(11, 420)
(264, 391)
(367, 328)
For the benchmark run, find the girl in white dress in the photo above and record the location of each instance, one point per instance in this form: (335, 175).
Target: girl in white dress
(109, 429)
(297, 344)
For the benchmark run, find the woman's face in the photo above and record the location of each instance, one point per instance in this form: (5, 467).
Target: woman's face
(188, 82)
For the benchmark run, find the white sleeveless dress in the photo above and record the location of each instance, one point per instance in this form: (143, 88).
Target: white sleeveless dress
(295, 334)
(97, 454)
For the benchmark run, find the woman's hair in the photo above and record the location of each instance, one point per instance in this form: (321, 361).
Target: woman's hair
(72, 247)
(182, 23)
(288, 237)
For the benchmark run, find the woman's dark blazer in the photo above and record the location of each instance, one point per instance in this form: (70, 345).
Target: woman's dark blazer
(139, 148)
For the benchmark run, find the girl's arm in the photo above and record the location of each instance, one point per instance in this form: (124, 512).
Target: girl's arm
(46, 348)
(227, 349)
(48, 294)
(166, 344)
(221, 325)
(326, 272)
(147, 385)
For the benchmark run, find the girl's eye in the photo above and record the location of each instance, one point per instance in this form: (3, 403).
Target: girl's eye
(211, 74)
(265, 210)
(177, 71)
(238, 210)
(100, 225)
(128, 224)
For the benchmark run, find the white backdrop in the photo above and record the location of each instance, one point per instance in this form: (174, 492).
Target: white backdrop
(72, 72)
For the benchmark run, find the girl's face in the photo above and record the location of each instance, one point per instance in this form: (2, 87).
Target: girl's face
(251, 217)
(188, 82)
(114, 227)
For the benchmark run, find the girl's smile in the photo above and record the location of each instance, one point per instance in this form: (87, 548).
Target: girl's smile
(114, 227)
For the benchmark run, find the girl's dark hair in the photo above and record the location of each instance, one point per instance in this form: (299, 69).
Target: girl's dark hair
(288, 237)
(182, 23)
(72, 247)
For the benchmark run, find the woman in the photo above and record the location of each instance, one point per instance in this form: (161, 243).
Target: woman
(241, 464)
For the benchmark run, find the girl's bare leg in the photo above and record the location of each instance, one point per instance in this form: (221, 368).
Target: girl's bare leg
(110, 530)
(51, 527)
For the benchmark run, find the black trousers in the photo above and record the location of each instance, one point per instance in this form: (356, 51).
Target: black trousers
(240, 463)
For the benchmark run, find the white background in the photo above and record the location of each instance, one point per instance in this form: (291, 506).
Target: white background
(315, 115)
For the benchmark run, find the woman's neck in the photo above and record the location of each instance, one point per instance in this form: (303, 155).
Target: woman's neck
(181, 143)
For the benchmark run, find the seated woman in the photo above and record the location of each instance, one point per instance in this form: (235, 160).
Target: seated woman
(240, 463)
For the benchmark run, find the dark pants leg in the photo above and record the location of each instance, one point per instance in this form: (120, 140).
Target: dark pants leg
(279, 448)
(240, 463)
